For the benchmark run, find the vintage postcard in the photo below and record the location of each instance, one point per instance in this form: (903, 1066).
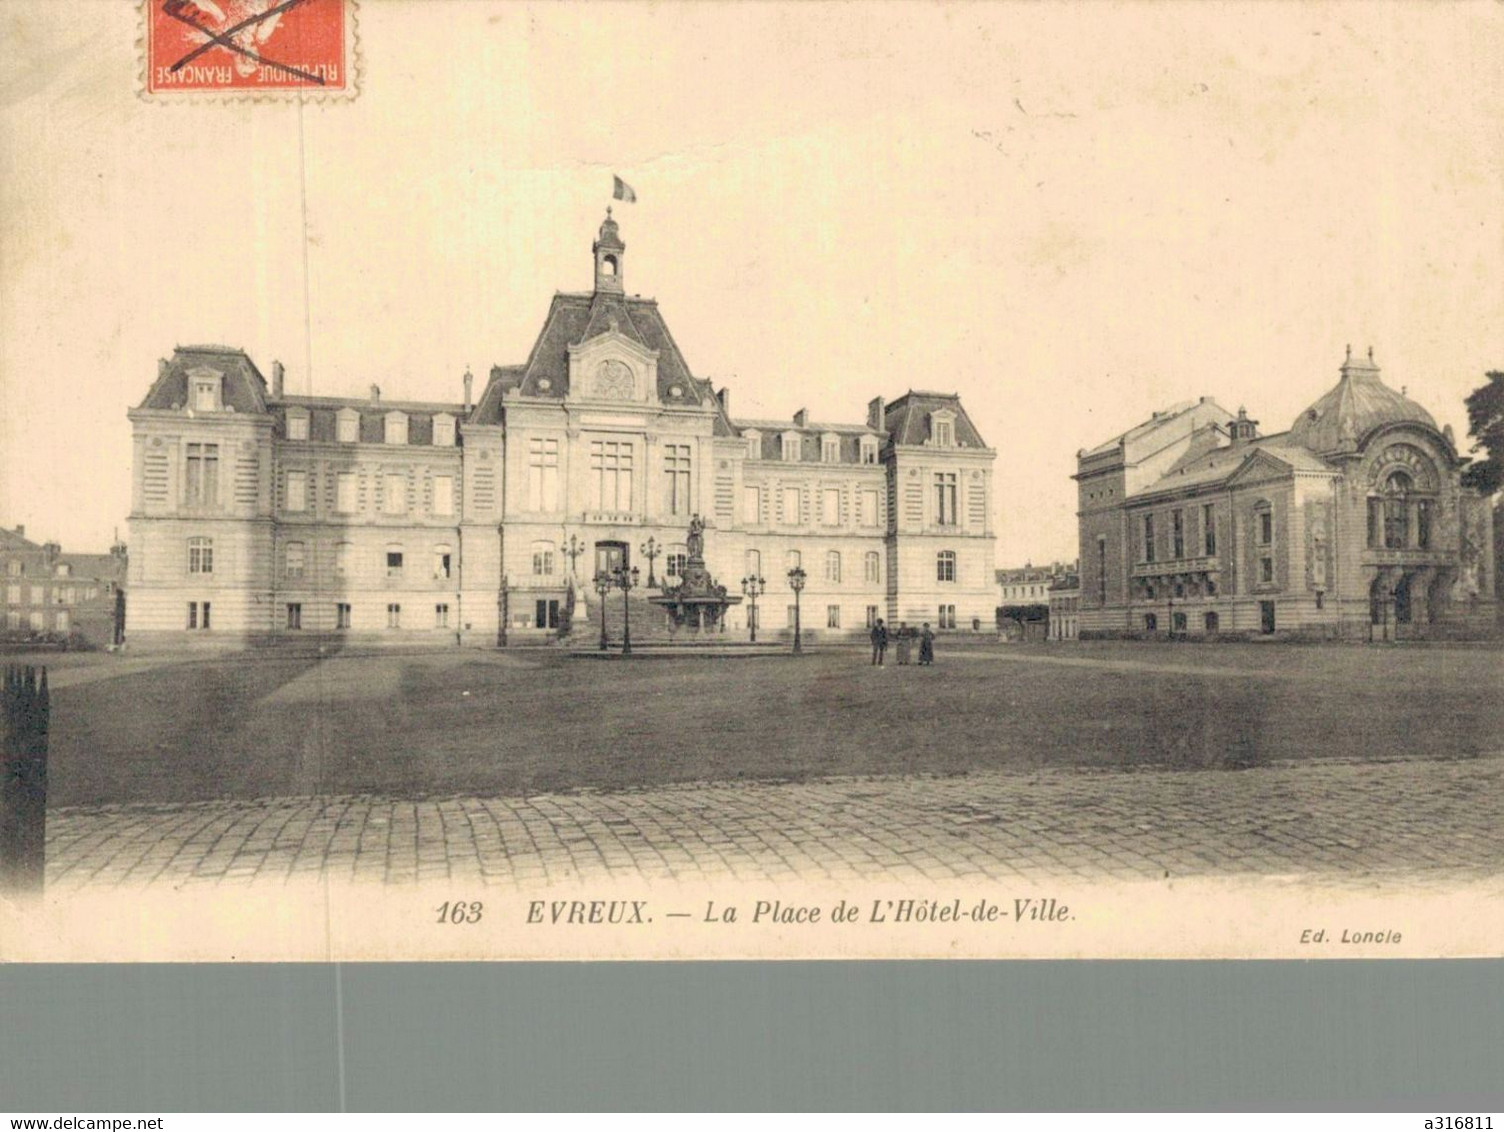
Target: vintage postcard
(658, 480)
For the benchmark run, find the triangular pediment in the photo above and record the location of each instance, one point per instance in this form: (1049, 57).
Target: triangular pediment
(1260, 466)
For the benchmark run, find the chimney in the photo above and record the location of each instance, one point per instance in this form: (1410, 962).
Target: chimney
(469, 388)
(50, 552)
(375, 393)
(801, 418)
(723, 395)
(20, 530)
(876, 410)
(278, 373)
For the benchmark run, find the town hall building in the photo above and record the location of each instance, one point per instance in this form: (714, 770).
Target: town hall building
(259, 513)
(1351, 524)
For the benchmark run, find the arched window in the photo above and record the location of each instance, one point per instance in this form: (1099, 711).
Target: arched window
(543, 559)
(608, 266)
(1397, 489)
(833, 566)
(945, 566)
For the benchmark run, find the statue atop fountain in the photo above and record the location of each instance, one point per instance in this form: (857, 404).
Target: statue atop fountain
(697, 602)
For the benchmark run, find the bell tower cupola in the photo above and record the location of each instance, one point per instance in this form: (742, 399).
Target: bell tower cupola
(609, 254)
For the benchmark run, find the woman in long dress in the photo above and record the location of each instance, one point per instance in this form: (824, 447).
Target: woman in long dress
(905, 642)
(926, 645)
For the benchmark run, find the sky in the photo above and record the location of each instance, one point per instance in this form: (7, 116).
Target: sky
(1071, 216)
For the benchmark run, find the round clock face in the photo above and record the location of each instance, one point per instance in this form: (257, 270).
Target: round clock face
(613, 379)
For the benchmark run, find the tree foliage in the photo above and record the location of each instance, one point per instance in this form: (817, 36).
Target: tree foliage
(1485, 424)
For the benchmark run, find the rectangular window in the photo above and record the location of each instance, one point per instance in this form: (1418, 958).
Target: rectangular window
(945, 498)
(1177, 532)
(869, 450)
(791, 503)
(676, 499)
(294, 615)
(349, 427)
(1423, 524)
(297, 491)
(14, 568)
(13, 593)
(38, 621)
(201, 556)
(751, 505)
(1211, 587)
(1101, 571)
(872, 570)
(394, 495)
(443, 431)
(543, 559)
(443, 495)
(791, 449)
(394, 616)
(869, 508)
(611, 475)
(297, 426)
(441, 616)
(830, 507)
(830, 450)
(342, 615)
(945, 566)
(294, 559)
(1208, 530)
(396, 428)
(198, 615)
(754, 563)
(344, 493)
(945, 434)
(542, 474)
(1148, 538)
(1266, 569)
(341, 560)
(394, 564)
(60, 621)
(201, 486)
(833, 566)
(832, 616)
(13, 619)
(871, 616)
(674, 563)
(947, 617)
(1266, 528)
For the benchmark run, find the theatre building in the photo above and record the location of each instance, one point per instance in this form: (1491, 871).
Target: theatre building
(257, 512)
(1350, 524)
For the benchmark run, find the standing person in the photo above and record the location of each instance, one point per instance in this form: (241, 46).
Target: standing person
(879, 642)
(905, 642)
(926, 645)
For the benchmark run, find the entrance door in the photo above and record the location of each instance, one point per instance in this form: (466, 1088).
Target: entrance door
(610, 557)
(1266, 616)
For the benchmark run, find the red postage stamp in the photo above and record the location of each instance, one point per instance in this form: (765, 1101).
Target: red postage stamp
(248, 47)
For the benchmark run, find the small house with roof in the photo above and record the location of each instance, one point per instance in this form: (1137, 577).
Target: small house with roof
(1351, 524)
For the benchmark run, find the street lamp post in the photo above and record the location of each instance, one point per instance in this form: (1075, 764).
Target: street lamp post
(650, 551)
(753, 586)
(572, 550)
(603, 584)
(796, 583)
(627, 580)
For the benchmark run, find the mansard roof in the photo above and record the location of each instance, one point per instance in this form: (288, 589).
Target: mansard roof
(244, 387)
(577, 318)
(907, 418)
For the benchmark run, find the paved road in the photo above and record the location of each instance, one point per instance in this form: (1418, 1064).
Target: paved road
(1431, 818)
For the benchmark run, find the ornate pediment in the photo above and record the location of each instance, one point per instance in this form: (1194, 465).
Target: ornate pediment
(612, 367)
(1407, 458)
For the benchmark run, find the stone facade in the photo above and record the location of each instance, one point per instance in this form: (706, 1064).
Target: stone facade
(485, 520)
(1352, 524)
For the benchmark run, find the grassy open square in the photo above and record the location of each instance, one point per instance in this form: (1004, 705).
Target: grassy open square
(530, 721)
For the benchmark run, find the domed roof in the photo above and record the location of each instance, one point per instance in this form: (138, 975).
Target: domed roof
(1359, 403)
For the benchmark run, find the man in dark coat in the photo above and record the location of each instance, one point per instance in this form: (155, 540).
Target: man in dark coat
(879, 642)
(926, 645)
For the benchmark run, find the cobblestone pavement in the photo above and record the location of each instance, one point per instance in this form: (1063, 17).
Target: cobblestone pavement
(1437, 818)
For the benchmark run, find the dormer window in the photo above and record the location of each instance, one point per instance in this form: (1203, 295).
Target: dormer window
(943, 429)
(443, 431)
(791, 447)
(869, 449)
(830, 449)
(205, 391)
(297, 424)
(348, 429)
(396, 428)
(754, 444)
